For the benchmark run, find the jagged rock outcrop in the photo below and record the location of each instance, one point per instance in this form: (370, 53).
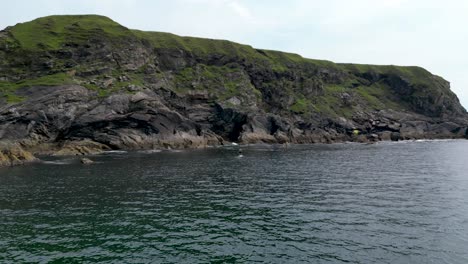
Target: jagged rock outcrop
(73, 85)
(12, 155)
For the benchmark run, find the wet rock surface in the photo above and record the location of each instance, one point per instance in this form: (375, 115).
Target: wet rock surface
(86, 161)
(132, 92)
(13, 155)
(73, 122)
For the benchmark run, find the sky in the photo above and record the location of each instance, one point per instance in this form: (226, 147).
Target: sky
(429, 33)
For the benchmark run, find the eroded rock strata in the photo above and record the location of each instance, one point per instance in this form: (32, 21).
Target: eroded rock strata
(73, 85)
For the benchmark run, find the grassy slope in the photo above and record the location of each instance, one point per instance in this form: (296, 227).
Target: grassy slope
(53, 32)
(50, 33)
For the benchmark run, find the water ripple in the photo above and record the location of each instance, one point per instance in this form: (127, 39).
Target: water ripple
(344, 203)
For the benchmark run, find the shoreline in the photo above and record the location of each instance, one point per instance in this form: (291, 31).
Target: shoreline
(23, 156)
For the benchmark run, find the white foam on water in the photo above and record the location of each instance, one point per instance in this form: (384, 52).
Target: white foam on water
(57, 162)
(115, 152)
(151, 151)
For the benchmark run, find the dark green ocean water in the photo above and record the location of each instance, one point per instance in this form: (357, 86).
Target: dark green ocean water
(382, 203)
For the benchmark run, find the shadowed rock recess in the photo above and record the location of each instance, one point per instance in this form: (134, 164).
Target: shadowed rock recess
(73, 85)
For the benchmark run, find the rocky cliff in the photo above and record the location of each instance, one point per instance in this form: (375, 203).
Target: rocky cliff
(81, 84)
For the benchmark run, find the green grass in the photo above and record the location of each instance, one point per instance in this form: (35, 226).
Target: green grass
(197, 46)
(12, 98)
(47, 80)
(221, 82)
(215, 79)
(380, 97)
(134, 78)
(370, 98)
(231, 89)
(279, 70)
(8, 89)
(50, 33)
(331, 104)
(301, 106)
(101, 92)
(415, 75)
(275, 60)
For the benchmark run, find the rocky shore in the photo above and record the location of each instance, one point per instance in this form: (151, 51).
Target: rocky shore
(86, 84)
(15, 155)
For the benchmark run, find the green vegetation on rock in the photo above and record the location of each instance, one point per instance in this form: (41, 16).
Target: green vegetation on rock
(109, 58)
(301, 106)
(52, 32)
(8, 89)
(152, 89)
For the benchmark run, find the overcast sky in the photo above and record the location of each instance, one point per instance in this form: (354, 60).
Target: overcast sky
(428, 33)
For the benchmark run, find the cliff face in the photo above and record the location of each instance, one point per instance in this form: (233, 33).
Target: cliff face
(86, 83)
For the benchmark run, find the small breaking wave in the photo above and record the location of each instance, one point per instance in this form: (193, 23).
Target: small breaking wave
(151, 151)
(57, 162)
(115, 152)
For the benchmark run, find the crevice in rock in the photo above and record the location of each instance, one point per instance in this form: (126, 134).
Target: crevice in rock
(236, 130)
(228, 123)
(273, 126)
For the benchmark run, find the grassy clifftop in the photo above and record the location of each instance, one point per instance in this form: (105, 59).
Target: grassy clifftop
(98, 53)
(53, 32)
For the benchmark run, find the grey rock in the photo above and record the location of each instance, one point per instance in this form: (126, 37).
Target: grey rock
(86, 161)
(234, 101)
(146, 96)
(395, 136)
